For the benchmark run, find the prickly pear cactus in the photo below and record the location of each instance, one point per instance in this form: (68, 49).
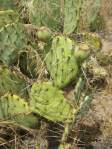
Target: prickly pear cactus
(49, 102)
(30, 63)
(15, 110)
(50, 17)
(80, 15)
(12, 41)
(89, 11)
(7, 17)
(12, 82)
(61, 62)
(72, 10)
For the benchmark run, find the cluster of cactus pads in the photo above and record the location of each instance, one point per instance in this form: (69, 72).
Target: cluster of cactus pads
(40, 68)
(45, 99)
(63, 57)
(70, 14)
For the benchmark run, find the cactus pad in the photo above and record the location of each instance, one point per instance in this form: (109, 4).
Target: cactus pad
(49, 102)
(44, 13)
(72, 10)
(7, 17)
(15, 110)
(12, 41)
(11, 81)
(13, 105)
(61, 62)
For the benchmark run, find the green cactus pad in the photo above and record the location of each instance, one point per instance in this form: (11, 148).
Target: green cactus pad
(13, 105)
(15, 110)
(7, 17)
(11, 81)
(12, 41)
(90, 11)
(61, 61)
(72, 10)
(49, 102)
(44, 13)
